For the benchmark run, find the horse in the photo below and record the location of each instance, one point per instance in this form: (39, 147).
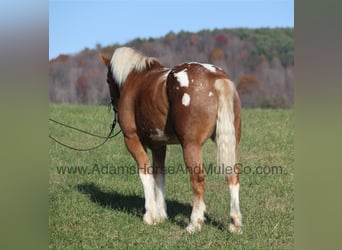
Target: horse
(186, 105)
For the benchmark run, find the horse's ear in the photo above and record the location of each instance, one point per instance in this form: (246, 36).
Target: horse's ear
(104, 59)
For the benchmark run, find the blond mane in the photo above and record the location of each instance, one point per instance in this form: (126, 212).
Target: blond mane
(125, 59)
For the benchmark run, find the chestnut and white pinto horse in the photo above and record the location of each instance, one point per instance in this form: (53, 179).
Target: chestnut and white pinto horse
(186, 104)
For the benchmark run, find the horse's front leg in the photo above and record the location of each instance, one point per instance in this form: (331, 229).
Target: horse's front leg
(138, 152)
(158, 155)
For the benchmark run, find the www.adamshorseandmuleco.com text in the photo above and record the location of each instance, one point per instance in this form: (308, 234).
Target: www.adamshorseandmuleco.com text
(179, 169)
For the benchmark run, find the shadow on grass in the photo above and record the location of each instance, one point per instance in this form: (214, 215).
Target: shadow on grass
(134, 205)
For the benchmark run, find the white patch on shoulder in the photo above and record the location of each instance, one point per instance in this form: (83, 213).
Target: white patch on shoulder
(210, 93)
(182, 78)
(186, 99)
(209, 67)
(159, 135)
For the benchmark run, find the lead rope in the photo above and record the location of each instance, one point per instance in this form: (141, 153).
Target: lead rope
(106, 138)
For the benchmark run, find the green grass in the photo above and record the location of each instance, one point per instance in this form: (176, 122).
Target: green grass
(102, 209)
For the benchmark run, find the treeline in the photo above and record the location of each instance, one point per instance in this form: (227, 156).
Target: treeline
(260, 62)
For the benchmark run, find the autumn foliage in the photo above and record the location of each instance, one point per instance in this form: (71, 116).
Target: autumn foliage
(247, 84)
(216, 55)
(259, 61)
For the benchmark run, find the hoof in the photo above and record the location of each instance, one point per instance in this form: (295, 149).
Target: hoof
(236, 229)
(235, 225)
(149, 219)
(194, 227)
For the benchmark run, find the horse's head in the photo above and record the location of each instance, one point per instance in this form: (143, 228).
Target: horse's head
(114, 88)
(125, 61)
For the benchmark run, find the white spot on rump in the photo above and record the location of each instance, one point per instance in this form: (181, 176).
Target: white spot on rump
(209, 67)
(210, 93)
(186, 99)
(182, 78)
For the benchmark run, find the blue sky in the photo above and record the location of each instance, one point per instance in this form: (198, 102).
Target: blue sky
(76, 24)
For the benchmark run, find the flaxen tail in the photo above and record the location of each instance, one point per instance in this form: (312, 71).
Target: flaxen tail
(225, 130)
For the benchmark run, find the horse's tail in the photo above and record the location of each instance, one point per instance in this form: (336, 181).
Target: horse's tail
(225, 129)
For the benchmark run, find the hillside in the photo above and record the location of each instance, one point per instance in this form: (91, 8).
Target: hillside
(260, 62)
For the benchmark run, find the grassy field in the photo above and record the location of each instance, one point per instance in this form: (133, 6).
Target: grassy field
(96, 204)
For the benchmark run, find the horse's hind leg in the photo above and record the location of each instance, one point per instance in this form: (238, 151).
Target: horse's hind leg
(146, 175)
(158, 155)
(235, 225)
(193, 160)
